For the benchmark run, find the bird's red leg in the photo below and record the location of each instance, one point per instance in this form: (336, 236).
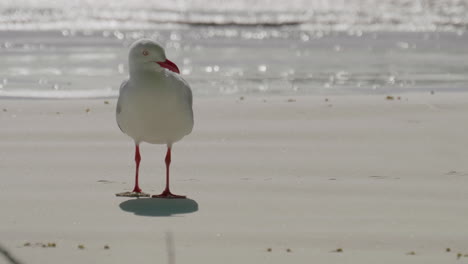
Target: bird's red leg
(167, 160)
(167, 193)
(136, 190)
(137, 163)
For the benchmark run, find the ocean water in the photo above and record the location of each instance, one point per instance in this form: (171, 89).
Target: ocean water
(78, 49)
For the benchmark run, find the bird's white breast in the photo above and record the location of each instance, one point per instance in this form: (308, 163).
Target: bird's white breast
(155, 108)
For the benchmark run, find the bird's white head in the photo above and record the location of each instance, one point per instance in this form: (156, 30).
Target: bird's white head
(148, 55)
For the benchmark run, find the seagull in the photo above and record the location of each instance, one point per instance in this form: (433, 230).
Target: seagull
(154, 106)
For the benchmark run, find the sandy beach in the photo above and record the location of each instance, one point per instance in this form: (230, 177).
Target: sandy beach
(271, 179)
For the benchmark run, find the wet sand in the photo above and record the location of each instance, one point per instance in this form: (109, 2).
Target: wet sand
(270, 179)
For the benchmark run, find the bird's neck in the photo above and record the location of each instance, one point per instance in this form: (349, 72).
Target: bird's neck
(145, 74)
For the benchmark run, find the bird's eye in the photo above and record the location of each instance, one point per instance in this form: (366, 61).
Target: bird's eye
(145, 53)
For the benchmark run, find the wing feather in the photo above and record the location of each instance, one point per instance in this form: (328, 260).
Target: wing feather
(118, 110)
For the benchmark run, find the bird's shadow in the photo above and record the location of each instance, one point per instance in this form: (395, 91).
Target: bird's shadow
(159, 207)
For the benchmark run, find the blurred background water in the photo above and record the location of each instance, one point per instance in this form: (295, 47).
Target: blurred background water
(58, 48)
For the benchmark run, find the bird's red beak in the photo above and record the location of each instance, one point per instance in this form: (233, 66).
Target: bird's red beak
(169, 65)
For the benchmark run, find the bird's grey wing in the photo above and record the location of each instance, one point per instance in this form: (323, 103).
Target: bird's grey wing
(187, 94)
(118, 110)
(122, 89)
